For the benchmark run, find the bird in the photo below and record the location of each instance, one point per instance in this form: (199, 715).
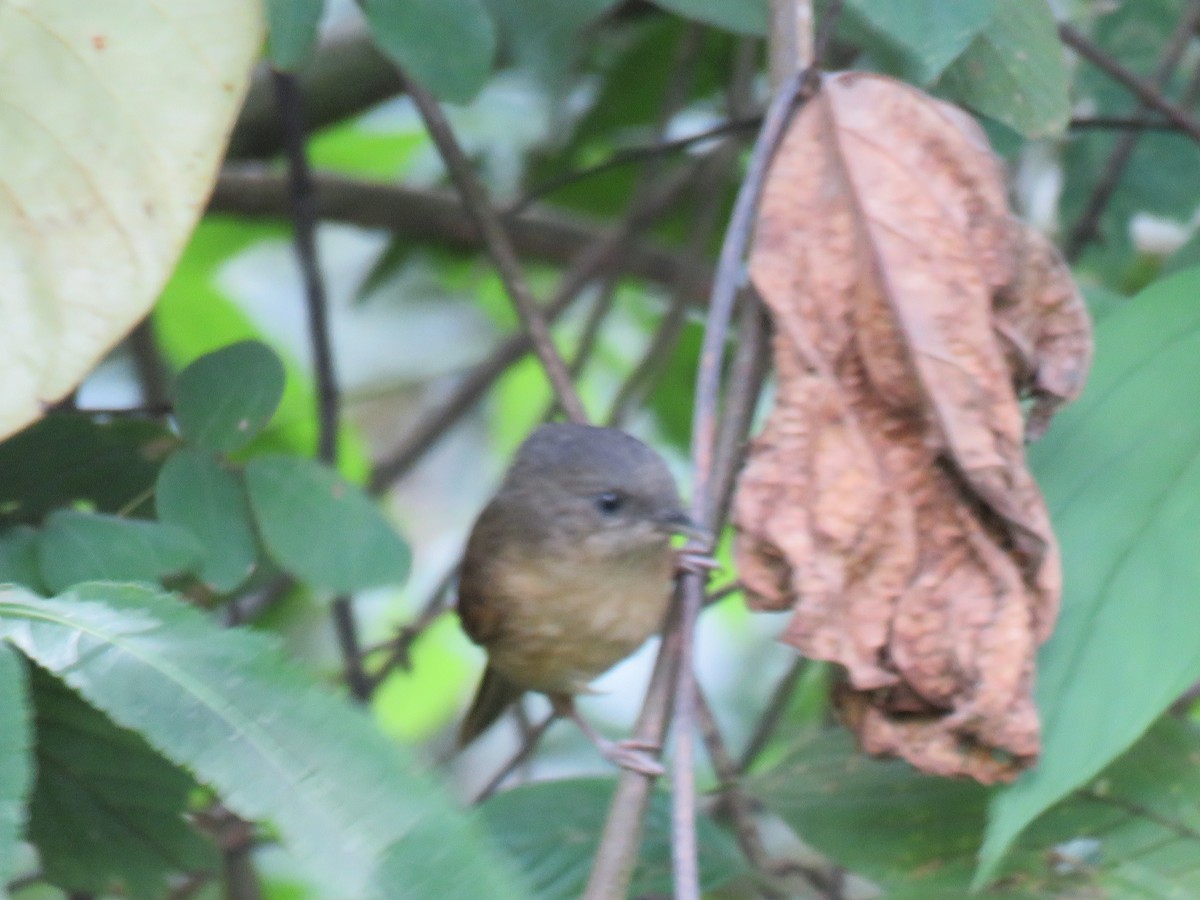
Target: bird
(568, 570)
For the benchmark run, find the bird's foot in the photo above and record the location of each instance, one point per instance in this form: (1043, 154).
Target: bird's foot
(637, 756)
(695, 563)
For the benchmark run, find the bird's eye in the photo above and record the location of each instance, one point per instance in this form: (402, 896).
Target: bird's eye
(609, 502)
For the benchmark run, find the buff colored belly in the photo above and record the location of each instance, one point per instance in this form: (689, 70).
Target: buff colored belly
(561, 629)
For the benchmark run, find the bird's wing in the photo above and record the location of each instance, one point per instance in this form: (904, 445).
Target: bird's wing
(480, 619)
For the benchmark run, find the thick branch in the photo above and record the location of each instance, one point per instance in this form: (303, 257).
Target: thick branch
(435, 216)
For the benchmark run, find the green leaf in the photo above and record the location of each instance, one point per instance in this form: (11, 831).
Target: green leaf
(18, 558)
(544, 37)
(913, 833)
(65, 459)
(226, 705)
(916, 835)
(322, 529)
(106, 807)
(15, 769)
(78, 546)
(225, 398)
(196, 493)
(742, 16)
(446, 45)
(1014, 71)
(1120, 475)
(292, 31)
(933, 32)
(1143, 818)
(552, 828)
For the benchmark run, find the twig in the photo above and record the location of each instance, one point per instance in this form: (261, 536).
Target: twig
(616, 855)
(751, 363)
(304, 219)
(401, 646)
(148, 411)
(772, 715)
(683, 70)
(528, 745)
(1087, 227)
(740, 808)
(25, 881)
(1120, 123)
(346, 76)
(498, 245)
(435, 215)
(148, 363)
(704, 433)
(1141, 88)
(631, 155)
(658, 352)
(591, 261)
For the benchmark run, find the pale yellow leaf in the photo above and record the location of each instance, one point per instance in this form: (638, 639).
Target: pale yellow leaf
(114, 115)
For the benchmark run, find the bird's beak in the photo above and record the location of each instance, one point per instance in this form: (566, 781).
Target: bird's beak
(681, 523)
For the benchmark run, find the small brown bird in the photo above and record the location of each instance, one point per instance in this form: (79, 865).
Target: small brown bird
(568, 570)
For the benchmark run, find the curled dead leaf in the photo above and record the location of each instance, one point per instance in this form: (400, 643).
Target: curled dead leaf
(887, 500)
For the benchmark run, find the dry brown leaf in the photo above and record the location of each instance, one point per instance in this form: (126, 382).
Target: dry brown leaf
(887, 500)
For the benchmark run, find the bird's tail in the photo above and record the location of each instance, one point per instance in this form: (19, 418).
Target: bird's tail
(496, 693)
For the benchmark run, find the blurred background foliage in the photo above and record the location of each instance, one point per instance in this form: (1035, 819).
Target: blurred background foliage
(560, 107)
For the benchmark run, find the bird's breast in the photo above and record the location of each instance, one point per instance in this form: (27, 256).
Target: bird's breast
(564, 621)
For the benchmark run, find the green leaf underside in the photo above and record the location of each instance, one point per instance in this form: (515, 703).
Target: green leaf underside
(196, 493)
(67, 458)
(551, 829)
(292, 31)
(1014, 71)
(225, 398)
(78, 546)
(19, 558)
(15, 769)
(223, 703)
(1120, 475)
(106, 808)
(916, 835)
(322, 529)
(446, 45)
(743, 16)
(935, 33)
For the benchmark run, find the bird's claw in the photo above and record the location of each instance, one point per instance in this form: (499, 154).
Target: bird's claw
(635, 756)
(695, 563)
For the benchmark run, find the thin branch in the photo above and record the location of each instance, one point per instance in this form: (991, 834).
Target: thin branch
(772, 715)
(1087, 227)
(1141, 88)
(631, 155)
(748, 374)
(616, 855)
(304, 223)
(346, 76)
(149, 411)
(654, 359)
(592, 259)
(532, 738)
(741, 811)
(498, 245)
(304, 220)
(435, 216)
(148, 363)
(1120, 123)
(400, 647)
(704, 445)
